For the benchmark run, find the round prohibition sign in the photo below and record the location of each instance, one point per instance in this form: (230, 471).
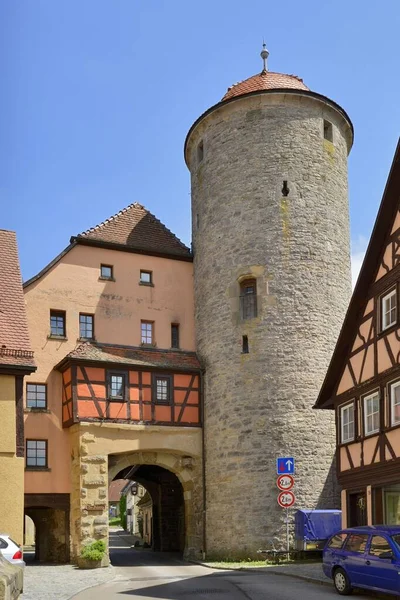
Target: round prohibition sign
(285, 482)
(286, 499)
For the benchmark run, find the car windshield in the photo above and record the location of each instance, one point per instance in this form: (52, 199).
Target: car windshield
(396, 539)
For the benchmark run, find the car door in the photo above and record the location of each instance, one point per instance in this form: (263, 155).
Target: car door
(354, 557)
(382, 573)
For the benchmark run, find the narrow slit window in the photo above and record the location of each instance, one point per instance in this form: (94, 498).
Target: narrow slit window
(174, 335)
(200, 152)
(248, 299)
(245, 344)
(328, 131)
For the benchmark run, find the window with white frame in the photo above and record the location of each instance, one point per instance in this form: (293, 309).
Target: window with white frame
(388, 310)
(347, 423)
(371, 413)
(395, 403)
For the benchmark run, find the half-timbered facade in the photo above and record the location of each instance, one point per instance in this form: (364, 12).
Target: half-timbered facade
(144, 386)
(362, 384)
(117, 392)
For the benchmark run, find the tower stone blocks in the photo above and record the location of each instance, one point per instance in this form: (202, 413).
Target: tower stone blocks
(269, 205)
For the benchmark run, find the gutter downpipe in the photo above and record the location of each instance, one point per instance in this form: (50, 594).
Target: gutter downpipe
(203, 450)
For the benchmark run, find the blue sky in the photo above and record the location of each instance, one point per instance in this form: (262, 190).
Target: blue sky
(97, 98)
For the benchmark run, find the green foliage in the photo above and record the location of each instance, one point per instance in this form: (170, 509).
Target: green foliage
(140, 524)
(114, 521)
(94, 551)
(122, 511)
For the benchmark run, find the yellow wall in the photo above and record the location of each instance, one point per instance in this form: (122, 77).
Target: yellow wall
(7, 414)
(11, 467)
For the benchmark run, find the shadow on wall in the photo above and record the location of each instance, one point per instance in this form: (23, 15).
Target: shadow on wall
(51, 534)
(163, 507)
(330, 495)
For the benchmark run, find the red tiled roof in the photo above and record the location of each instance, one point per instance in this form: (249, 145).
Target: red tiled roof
(15, 347)
(135, 227)
(266, 80)
(115, 489)
(162, 359)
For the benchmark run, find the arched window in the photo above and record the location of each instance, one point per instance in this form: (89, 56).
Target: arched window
(248, 299)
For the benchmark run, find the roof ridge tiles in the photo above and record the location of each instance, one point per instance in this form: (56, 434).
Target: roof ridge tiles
(109, 219)
(136, 227)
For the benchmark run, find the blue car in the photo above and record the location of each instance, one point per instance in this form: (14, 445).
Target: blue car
(364, 557)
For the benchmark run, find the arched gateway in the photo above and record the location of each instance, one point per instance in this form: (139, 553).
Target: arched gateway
(166, 460)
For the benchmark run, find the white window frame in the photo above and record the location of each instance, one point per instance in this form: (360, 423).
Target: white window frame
(384, 313)
(366, 415)
(393, 385)
(343, 409)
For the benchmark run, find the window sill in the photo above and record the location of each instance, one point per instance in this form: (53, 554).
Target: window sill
(388, 329)
(116, 400)
(33, 409)
(62, 338)
(106, 279)
(46, 469)
(144, 345)
(146, 284)
(85, 339)
(371, 433)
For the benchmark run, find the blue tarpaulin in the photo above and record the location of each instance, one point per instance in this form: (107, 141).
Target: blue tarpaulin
(317, 524)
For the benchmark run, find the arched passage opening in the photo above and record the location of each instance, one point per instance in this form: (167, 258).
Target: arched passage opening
(51, 534)
(162, 508)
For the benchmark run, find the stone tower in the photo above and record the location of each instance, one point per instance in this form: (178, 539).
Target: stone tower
(270, 224)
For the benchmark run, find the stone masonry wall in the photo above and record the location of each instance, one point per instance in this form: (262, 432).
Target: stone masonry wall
(258, 406)
(89, 496)
(99, 452)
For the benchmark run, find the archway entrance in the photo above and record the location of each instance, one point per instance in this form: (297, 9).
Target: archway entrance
(162, 511)
(51, 534)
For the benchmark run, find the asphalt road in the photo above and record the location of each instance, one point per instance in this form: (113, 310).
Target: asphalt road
(147, 575)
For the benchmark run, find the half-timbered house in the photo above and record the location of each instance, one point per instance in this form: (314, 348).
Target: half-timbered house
(362, 384)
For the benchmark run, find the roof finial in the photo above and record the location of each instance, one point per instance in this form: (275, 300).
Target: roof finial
(264, 55)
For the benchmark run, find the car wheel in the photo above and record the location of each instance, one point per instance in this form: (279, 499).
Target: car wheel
(342, 582)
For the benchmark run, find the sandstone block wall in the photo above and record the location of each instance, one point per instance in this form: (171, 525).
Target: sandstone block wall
(258, 406)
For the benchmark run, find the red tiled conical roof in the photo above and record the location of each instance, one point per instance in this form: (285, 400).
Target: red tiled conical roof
(266, 80)
(135, 227)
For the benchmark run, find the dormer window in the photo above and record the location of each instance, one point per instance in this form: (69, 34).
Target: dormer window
(248, 299)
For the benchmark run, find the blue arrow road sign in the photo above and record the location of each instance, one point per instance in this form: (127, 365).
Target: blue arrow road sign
(285, 465)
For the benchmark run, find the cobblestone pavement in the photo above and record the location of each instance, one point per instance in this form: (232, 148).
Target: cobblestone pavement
(61, 582)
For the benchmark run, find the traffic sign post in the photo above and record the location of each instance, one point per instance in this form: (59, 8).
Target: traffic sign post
(285, 465)
(285, 482)
(286, 499)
